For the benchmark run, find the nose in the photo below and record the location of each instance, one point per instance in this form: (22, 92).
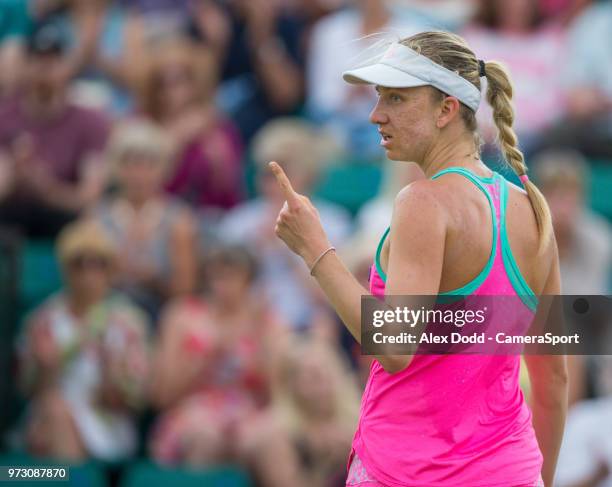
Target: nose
(377, 115)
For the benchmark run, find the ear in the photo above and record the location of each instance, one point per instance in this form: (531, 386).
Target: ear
(449, 109)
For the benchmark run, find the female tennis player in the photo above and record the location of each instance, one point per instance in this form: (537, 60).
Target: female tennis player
(446, 420)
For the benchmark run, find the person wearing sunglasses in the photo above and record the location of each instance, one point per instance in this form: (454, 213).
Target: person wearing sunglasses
(83, 357)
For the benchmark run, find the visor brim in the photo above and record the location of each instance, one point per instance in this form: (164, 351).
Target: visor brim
(382, 75)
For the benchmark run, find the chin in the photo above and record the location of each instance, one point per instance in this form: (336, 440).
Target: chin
(393, 156)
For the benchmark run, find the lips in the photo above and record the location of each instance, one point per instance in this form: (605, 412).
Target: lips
(386, 138)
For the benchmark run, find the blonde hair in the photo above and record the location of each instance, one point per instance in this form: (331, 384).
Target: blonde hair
(84, 236)
(452, 52)
(293, 141)
(139, 136)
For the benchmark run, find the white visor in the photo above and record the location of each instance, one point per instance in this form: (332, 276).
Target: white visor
(402, 67)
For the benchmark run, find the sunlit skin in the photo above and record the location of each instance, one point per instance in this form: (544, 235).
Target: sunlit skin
(415, 125)
(440, 238)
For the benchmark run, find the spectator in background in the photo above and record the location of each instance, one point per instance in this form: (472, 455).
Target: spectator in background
(80, 23)
(48, 146)
(302, 151)
(212, 367)
(584, 238)
(514, 32)
(177, 90)
(128, 30)
(585, 458)
(317, 401)
(155, 232)
(108, 38)
(83, 357)
(100, 43)
(374, 217)
(260, 46)
(335, 44)
(587, 126)
(585, 255)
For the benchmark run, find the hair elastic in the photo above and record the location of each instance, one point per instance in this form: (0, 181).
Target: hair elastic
(524, 178)
(482, 71)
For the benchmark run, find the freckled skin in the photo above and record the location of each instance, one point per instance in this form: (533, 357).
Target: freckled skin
(408, 115)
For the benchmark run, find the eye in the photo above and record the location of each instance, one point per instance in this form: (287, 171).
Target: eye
(395, 98)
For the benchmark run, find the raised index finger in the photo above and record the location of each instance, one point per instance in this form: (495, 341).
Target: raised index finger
(283, 181)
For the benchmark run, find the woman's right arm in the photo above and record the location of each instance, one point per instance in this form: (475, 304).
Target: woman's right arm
(549, 392)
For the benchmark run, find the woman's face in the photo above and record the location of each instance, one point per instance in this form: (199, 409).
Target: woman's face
(140, 175)
(45, 75)
(177, 88)
(228, 284)
(406, 122)
(88, 274)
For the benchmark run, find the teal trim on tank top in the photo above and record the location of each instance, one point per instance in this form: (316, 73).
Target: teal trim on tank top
(471, 286)
(467, 173)
(381, 273)
(519, 284)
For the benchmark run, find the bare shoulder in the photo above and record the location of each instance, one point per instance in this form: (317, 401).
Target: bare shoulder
(423, 196)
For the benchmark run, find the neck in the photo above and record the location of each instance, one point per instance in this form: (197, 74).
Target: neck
(137, 202)
(79, 305)
(451, 153)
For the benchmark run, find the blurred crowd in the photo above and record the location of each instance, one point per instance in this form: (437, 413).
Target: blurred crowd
(134, 138)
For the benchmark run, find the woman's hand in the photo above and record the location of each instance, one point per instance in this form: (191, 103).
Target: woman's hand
(298, 223)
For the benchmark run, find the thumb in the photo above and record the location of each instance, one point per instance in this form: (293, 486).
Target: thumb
(283, 181)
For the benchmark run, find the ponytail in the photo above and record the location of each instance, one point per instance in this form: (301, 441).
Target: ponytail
(452, 52)
(499, 96)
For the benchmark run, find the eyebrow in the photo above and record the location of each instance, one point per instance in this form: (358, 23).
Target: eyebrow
(381, 89)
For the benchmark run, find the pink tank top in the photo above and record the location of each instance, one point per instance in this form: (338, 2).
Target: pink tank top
(454, 420)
